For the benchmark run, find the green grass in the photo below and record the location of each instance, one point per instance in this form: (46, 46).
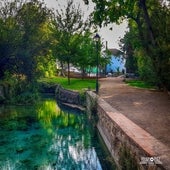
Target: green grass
(75, 83)
(140, 84)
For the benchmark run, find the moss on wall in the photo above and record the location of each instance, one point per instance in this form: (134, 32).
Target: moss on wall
(127, 159)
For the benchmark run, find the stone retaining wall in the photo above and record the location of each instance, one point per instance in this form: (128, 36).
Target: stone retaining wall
(130, 146)
(67, 96)
(5, 92)
(2, 94)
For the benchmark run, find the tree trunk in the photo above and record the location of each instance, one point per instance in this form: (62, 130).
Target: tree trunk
(68, 72)
(148, 21)
(156, 59)
(62, 69)
(83, 73)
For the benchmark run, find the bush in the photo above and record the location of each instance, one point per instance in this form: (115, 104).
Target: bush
(145, 68)
(27, 97)
(19, 91)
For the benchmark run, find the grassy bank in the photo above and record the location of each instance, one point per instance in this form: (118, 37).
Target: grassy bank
(75, 83)
(140, 84)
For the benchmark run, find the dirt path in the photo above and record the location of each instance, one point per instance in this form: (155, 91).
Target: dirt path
(147, 108)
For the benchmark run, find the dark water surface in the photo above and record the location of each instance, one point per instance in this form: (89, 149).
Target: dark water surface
(44, 137)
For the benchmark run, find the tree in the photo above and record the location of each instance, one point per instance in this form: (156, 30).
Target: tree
(128, 44)
(86, 53)
(31, 18)
(9, 36)
(144, 14)
(24, 43)
(68, 26)
(22, 38)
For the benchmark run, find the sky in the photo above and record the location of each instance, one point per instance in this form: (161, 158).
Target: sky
(111, 36)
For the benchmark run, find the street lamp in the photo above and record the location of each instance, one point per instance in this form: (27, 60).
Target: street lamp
(97, 39)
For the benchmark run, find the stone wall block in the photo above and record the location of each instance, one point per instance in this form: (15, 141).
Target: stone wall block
(67, 96)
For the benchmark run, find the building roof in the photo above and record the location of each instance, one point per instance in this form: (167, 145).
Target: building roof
(115, 51)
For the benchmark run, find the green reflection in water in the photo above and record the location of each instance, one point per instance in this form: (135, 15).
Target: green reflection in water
(45, 137)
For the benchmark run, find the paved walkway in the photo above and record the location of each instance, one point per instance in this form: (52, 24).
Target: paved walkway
(149, 109)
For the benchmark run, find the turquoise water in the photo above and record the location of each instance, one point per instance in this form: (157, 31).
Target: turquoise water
(44, 137)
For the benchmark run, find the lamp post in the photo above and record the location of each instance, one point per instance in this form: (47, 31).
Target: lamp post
(97, 39)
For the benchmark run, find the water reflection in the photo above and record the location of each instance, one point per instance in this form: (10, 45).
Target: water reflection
(45, 137)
